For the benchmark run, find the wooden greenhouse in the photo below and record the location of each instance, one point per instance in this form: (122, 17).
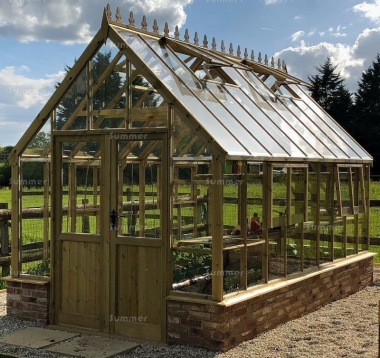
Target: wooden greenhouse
(193, 194)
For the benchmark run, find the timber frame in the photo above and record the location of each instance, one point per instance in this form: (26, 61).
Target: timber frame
(150, 188)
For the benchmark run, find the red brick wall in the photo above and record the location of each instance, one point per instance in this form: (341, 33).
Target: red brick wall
(28, 301)
(221, 327)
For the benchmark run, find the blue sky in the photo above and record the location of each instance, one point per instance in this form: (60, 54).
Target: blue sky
(39, 37)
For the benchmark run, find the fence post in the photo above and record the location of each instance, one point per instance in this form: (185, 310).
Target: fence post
(85, 218)
(4, 235)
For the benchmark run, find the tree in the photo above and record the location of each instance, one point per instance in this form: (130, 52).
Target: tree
(41, 141)
(330, 92)
(367, 111)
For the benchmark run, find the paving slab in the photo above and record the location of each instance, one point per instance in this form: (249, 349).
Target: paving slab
(35, 337)
(93, 347)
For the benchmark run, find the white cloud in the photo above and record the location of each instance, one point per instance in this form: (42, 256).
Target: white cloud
(76, 21)
(297, 18)
(370, 10)
(297, 35)
(272, 2)
(19, 90)
(351, 60)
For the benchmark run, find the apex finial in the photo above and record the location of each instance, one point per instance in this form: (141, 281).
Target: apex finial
(266, 59)
(238, 52)
(108, 12)
(118, 15)
(155, 26)
(246, 54)
(196, 39)
(253, 55)
(176, 33)
(260, 58)
(131, 19)
(144, 24)
(272, 62)
(213, 45)
(284, 66)
(231, 50)
(279, 64)
(222, 47)
(166, 30)
(205, 41)
(187, 37)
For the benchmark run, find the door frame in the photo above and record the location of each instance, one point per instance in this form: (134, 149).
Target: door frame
(108, 200)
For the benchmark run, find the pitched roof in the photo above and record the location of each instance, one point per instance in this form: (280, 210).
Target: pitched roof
(246, 108)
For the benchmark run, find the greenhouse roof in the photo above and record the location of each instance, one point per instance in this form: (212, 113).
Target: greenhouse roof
(248, 108)
(251, 109)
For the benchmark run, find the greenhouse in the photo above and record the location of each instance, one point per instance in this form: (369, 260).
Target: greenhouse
(193, 194)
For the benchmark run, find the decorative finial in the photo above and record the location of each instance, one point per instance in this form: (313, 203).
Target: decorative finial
(222, 47)
(176, 33)
(238, 52)
(253, 55)
(144, 24)
(108, 12)
(260, 58)
(213, 45)
(196, 39)
(155, 26)
(205, 42)
(131, 19)
(118, 15)
(284, 66)
(279, 64)
(166, 30)
(272, 62)
(266, 59)
(187, 37)
(231, 50)
(246, 54)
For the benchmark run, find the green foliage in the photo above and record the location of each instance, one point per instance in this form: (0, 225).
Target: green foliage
(187, 265)
(367, 111)
(42, 268)
(329, 91)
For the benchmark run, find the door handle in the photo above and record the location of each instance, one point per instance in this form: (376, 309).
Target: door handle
(114, 216)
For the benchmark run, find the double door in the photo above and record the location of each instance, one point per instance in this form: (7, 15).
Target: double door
(110, 233)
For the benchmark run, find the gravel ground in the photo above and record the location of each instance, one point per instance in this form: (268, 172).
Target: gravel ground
(345, 328)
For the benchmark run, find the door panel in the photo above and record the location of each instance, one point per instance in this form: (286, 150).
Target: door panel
(109, 269)
(137, 244)
(77, 245)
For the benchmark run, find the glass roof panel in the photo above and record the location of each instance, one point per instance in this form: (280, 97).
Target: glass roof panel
(276, 114)
(336, 133)
(250, 120)
(182, 87)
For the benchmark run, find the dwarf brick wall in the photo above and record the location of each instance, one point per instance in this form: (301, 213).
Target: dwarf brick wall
(28, 300)
(223, 326)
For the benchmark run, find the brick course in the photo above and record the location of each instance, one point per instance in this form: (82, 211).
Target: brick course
(223, 326)
(28, 301)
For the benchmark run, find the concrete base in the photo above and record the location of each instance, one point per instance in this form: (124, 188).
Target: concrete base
(72, 344)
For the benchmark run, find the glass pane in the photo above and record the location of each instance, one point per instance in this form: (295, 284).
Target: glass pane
(325, 141)
(181, 89)
(289, 125)
(81, 188)
(335, 132)
(35, 226)
(277, 232)
(140, 188)
(328, 212)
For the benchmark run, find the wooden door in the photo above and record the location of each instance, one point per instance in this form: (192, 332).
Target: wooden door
(137, 242)
(79, 241)
(110, 233)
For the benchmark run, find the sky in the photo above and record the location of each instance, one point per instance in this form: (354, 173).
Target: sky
(38, 38)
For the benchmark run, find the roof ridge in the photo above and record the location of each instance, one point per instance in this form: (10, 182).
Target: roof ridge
(231, 53)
